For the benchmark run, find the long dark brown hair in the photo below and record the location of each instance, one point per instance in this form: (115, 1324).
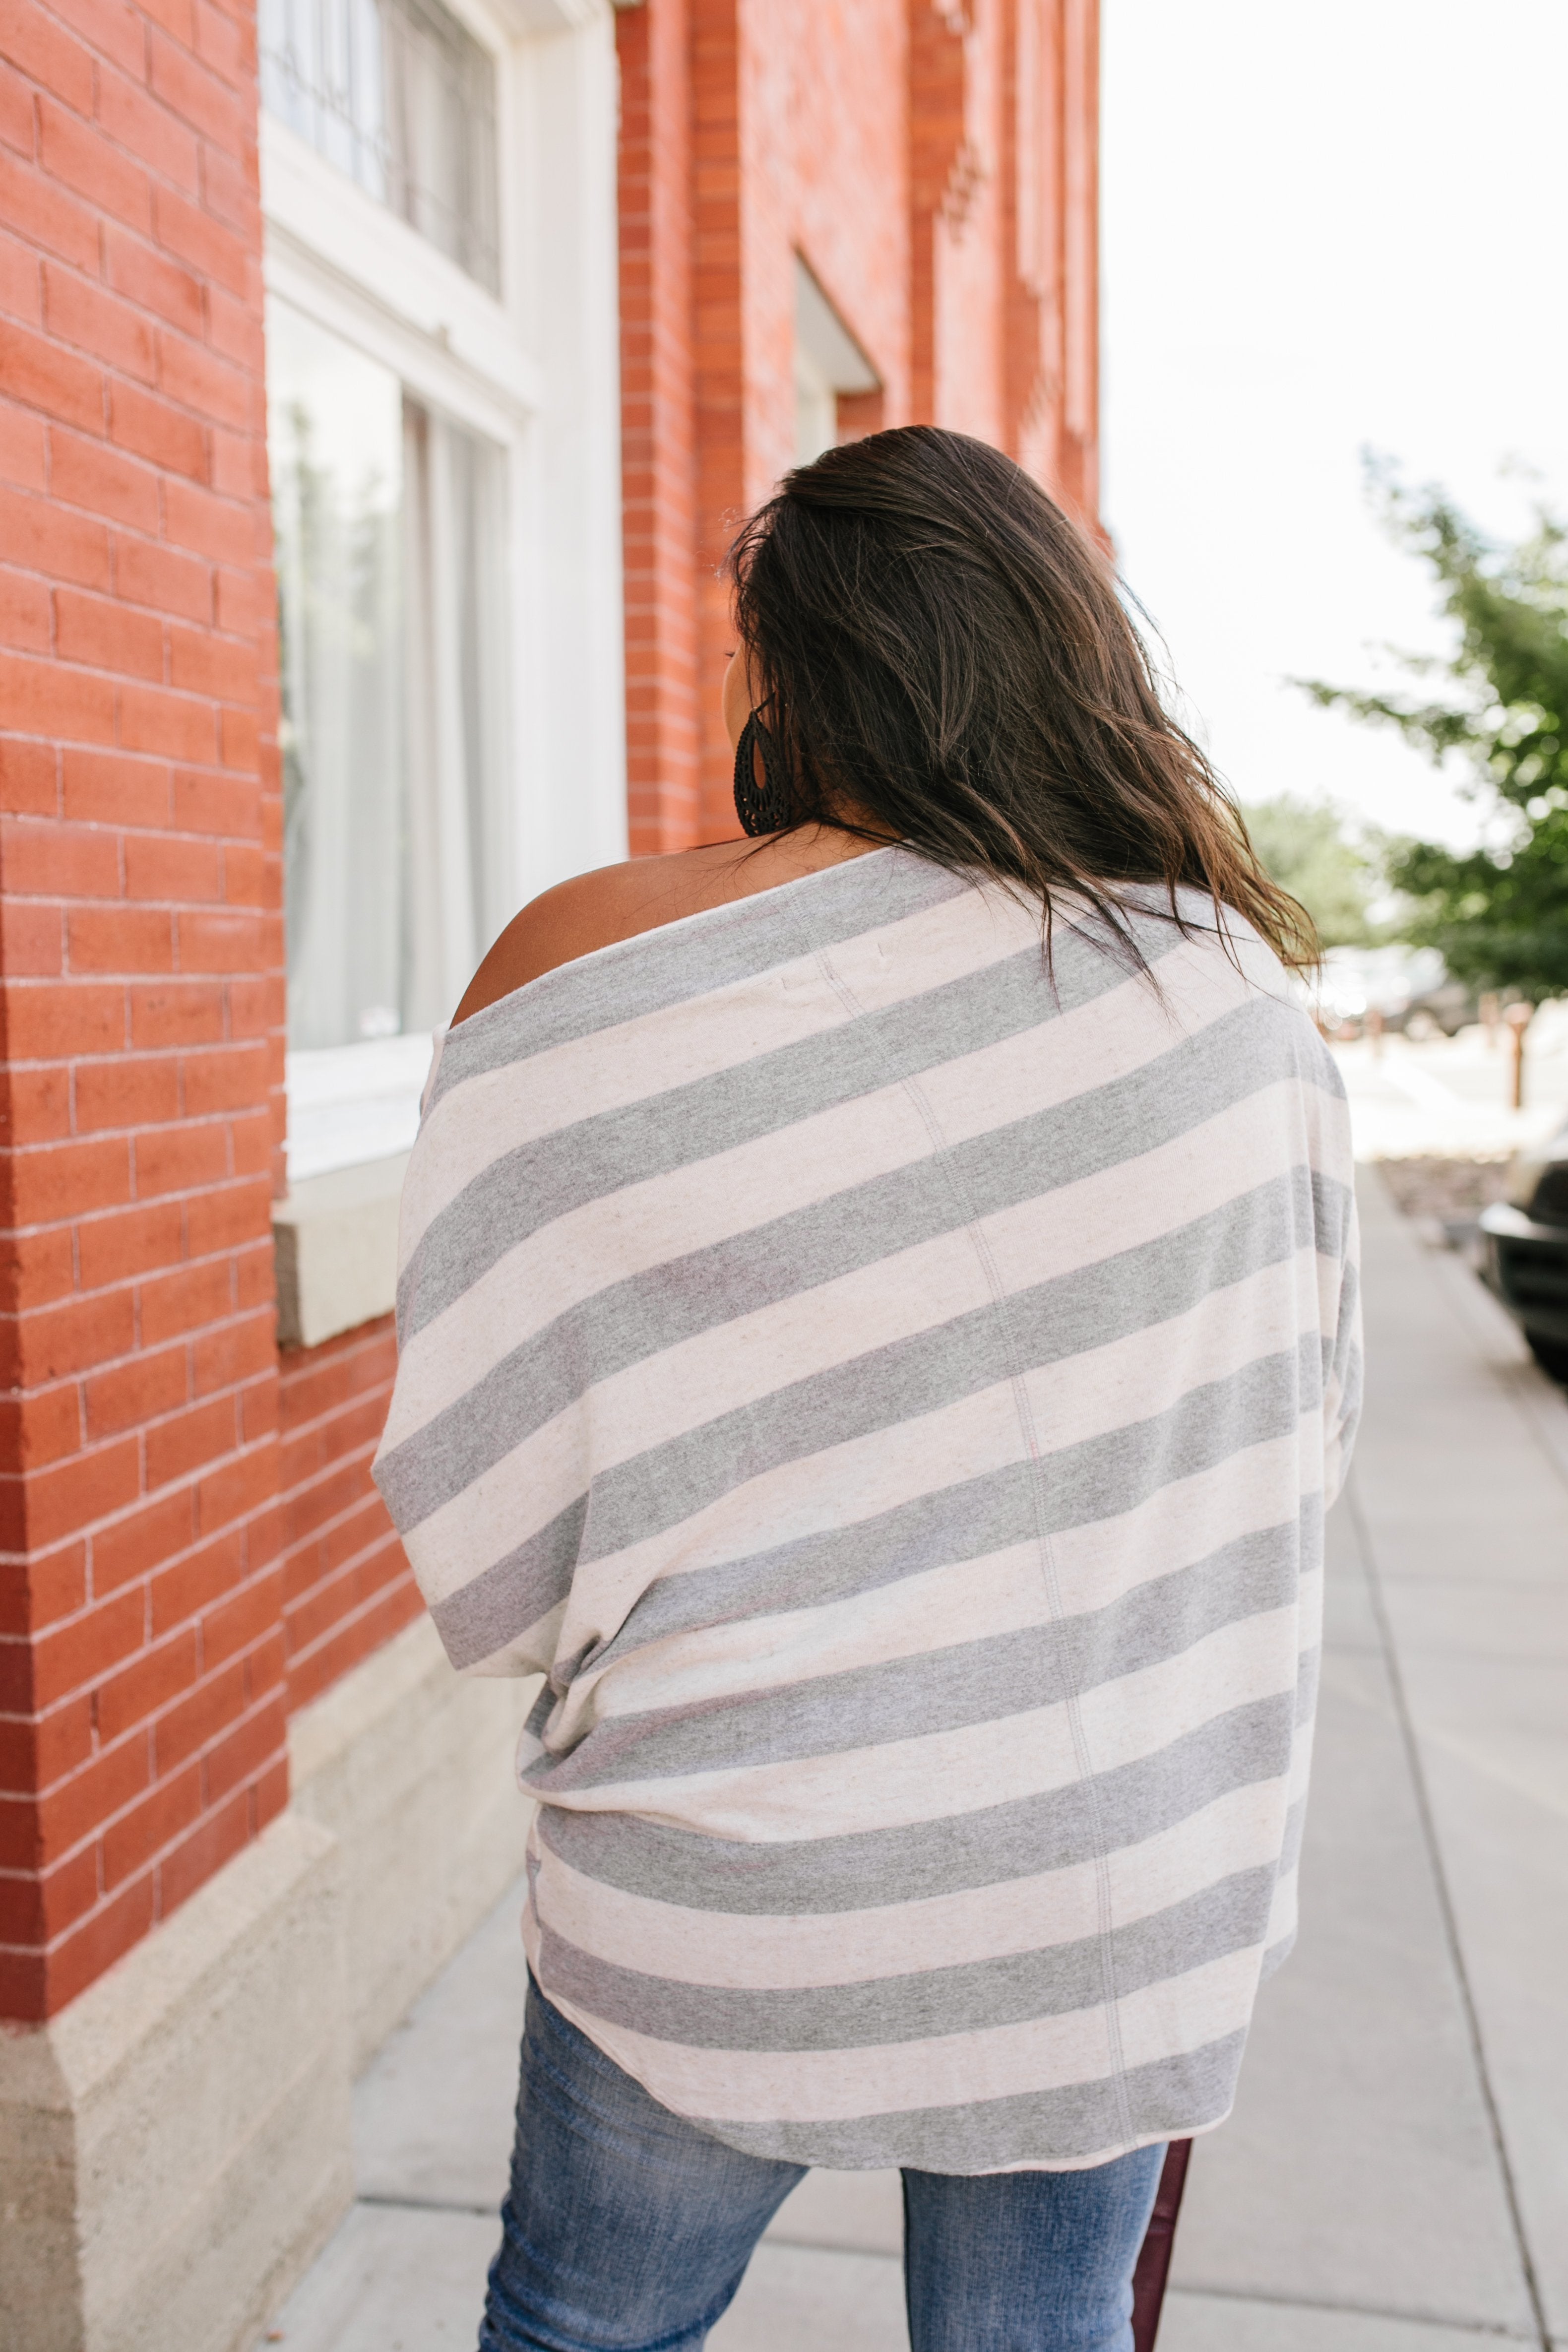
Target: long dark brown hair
(939, 655)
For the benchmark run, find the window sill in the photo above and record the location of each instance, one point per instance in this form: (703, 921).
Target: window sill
(335, 1238)
(351, 1104)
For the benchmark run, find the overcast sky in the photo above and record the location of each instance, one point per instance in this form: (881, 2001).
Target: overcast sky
(1324, 228)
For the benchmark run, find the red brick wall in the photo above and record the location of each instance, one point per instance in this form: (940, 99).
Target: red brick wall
(190, 1543)
(347, 1586)
(141, 1657)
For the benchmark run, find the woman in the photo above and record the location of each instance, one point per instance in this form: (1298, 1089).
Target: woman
(878, 1335)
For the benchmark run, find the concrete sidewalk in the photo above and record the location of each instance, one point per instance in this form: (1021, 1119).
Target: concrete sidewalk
(1395, 2178)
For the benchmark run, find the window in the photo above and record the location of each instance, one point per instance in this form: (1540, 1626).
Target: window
(389, 602)
(400, 96)
(829, 363)
(438, 188)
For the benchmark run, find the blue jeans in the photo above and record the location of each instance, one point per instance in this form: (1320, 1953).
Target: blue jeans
(627, 2229)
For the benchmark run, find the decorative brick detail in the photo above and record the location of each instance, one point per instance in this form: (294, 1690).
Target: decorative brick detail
(141, 1584)
(937, 126)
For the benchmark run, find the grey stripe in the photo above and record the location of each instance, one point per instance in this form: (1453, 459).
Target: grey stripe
(868, 1868)
(953, 1689)
(988, 1515)
(1167, 2097)
(968, 1998)
(670, 1483)
(522, 1191)
(631, 1321)
(1094, 1479)
(1276, 1956)
(513, 1595)
(659, 1489)
(678, 962)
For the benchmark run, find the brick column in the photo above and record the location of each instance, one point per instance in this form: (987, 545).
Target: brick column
(658, 429)
(1079, 464)
(142, 1696)
(937, 107)
(718, 347)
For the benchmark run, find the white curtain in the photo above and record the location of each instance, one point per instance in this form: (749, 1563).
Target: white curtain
(451, 537)
(389, 539)
(336, 446)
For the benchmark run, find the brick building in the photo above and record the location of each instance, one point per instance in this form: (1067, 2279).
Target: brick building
(380, 382)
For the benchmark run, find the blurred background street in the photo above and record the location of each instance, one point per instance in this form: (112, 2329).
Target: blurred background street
(1451, 1097)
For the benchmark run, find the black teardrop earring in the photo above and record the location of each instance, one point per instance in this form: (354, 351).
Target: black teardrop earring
(765, 810)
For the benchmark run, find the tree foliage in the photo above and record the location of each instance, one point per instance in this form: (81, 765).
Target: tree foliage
(1303, 846)
(1498, 914)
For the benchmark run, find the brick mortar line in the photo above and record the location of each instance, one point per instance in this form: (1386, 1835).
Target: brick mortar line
(296, 1548)
(386, 1540)
(251, 1713)
(247, 1449)
(51, 1945)
(297, 1662)
(46, 1788)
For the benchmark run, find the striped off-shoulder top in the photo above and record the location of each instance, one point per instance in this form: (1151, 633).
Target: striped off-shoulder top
(889, 1385)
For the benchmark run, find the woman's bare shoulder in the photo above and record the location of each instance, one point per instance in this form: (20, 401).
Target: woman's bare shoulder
(618, 902)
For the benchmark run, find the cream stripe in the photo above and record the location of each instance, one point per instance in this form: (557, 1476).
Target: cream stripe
(965, 1600)
(1079, 1397)
(1163, 2020)
(970, 1601)
(939, 1774)
(843, 1487)
(532, 1652)
(1282, 1910)
(607, 1240)
(1301, 1760)
(1258, 1486)
(837, 1487)
(912, 1290)
(498, 1110)
(1240, 1830)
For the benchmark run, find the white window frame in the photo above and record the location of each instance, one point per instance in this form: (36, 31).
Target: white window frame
(828, 362)
(536, 371)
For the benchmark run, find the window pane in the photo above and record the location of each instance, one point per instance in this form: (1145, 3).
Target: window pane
(441, 103)
(400, 95)
(389, 521)
(455, 817)
(336, 448)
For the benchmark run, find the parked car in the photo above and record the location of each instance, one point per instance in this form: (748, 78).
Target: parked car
(1524, 1242)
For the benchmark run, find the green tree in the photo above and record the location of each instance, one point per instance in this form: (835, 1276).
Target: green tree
(1304, 848)
(1498, 914)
